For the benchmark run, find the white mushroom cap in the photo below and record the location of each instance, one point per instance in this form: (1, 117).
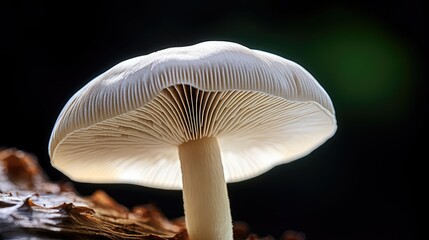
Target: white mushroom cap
(125, 125)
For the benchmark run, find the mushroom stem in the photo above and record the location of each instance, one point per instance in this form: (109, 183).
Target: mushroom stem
(205, 195)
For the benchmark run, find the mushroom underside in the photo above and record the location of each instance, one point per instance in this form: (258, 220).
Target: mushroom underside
(255, 131)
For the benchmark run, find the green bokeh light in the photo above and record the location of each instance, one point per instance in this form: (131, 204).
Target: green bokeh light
(367, 69)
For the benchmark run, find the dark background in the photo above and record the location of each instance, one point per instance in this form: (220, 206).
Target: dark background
(368, 55)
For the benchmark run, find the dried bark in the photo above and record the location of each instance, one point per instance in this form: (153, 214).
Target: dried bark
(33, 207)
(30, 205)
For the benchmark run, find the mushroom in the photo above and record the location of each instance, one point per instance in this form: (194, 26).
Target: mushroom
(192, 118)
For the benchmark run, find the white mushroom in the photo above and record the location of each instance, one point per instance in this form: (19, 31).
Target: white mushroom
(192, 118)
